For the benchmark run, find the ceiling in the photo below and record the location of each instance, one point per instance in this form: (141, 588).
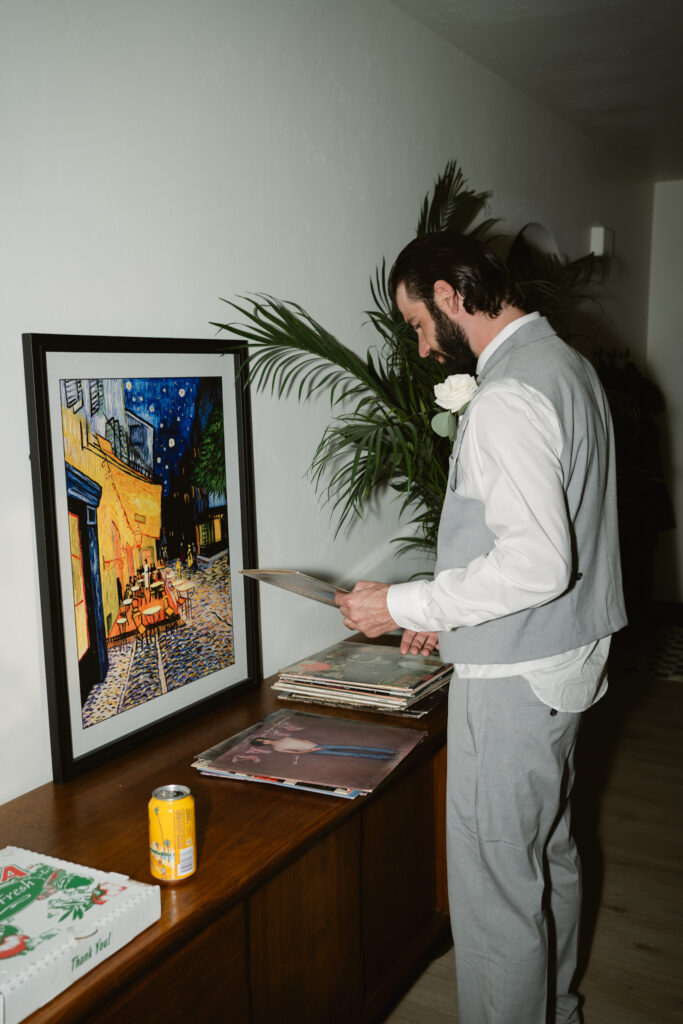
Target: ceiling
(612, 68)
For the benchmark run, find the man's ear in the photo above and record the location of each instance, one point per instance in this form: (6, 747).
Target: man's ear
(446, 298)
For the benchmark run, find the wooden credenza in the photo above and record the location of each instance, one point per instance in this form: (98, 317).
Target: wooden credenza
(304, 908)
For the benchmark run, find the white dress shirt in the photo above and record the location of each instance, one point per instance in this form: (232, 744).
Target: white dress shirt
(513, 435)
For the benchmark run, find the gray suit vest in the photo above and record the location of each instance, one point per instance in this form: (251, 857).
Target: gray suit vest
(593, 604)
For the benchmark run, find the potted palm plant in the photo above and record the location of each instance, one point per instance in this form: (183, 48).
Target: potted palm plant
(380, 436)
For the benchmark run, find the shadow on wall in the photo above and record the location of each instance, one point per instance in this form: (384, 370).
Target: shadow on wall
(645, 506)
(566, 292)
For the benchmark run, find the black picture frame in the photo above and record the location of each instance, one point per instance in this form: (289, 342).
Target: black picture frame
(124, 527)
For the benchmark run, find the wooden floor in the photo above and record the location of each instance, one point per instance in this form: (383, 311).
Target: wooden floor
(628, 824)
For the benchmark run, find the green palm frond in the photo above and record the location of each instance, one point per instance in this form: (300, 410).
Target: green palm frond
(453, 206)
(380, 437)
(551, 284)
(375, 446)
(286, 344)
(385, 317)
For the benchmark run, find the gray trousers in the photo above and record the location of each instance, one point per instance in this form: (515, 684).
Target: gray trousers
(513, 870)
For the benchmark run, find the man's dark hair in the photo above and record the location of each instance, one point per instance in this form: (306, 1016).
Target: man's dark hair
(472, 268)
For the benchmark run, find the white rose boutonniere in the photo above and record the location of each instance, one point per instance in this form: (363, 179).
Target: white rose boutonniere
(454, 395)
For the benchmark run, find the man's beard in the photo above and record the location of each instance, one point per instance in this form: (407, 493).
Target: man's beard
(453, 346)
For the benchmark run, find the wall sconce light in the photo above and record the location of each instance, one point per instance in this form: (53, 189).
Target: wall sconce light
(602, 241)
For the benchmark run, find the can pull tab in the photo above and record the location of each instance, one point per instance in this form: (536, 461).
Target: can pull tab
(171, 793)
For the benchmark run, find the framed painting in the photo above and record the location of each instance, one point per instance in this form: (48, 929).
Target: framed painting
(142, 480)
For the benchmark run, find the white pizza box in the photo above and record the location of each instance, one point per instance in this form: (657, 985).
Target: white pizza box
(58, 920)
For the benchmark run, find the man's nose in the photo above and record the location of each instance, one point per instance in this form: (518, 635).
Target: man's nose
(423, 348)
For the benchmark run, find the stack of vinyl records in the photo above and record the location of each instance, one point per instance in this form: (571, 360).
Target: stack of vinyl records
(317, 753)
(369, 676)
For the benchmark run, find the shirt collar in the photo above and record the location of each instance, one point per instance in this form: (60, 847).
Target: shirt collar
(502, 336)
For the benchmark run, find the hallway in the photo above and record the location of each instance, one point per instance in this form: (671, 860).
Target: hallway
(629, 797)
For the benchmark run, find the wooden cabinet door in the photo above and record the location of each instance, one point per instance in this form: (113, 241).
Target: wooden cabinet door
(204, 980)
(398, 884)
(304, 937)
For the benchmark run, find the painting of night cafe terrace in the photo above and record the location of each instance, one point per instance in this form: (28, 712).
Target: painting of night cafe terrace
(147, 517)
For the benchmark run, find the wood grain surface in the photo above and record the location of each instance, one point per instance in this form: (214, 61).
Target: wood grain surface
(265, 855)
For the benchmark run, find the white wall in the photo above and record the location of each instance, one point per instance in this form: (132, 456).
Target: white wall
(665, 361)
(158, 154)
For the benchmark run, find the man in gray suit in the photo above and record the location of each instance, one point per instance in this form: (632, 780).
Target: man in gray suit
(525, 597)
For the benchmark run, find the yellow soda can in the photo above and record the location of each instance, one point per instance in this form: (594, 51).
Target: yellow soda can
(172, 843)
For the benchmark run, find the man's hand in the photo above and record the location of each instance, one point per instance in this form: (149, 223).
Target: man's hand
(419, 643)
(365, 608)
